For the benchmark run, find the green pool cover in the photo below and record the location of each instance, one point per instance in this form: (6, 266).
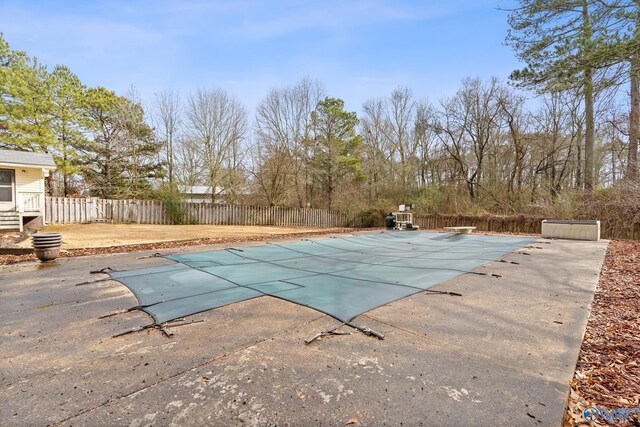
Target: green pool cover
(342, 277)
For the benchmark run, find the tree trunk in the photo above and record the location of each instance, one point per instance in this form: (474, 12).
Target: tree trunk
(65, 173)
(170, 158)
(634, 121)
(589, 135)
(578, 165)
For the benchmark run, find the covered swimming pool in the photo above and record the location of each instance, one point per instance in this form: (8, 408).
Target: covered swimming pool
(342, 277)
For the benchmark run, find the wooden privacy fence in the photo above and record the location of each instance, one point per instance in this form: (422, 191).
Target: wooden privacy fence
(520, 224)
(60, 210)
(512, 224)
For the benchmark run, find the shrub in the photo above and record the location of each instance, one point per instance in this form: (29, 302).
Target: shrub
(174, 207)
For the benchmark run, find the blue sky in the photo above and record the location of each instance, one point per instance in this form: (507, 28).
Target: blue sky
(358, 48)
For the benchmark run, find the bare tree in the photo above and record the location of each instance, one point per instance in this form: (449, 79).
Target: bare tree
(398, 133)
(284, 128)
(511, 106)
(426, 153)
(470, 123)
(188, 162)
(168, 116)
(217, 122)
(399, 115)
(377, 163)
(273, 172)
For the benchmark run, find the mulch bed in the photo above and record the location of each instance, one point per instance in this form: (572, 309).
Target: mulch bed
(608, 371)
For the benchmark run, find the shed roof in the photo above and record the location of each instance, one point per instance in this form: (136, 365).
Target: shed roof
(27, 158)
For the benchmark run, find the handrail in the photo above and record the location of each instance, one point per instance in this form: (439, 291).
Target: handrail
(29, 201)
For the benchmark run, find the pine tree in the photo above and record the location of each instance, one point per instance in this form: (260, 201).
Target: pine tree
(66, 110)
(25, 110)
(338, 150)
(121, 155)
(558, 39)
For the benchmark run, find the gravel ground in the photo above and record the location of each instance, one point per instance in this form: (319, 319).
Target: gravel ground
(608, 371)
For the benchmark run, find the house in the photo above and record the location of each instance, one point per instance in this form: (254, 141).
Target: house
(202, 194)
(22, 176)
(196, 193)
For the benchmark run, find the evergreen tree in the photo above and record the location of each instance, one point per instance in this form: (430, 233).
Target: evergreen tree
(622, 51)
(66, 111)
(120, 157)
(338, 150)
(25, 110)
(558, 40)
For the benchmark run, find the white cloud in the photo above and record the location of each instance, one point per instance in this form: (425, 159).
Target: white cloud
(295, 16)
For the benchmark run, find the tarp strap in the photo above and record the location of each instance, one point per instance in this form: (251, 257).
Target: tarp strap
(366, 330)
(331, 331)
(104, 270)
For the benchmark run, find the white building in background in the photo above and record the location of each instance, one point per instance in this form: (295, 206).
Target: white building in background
(197, 193)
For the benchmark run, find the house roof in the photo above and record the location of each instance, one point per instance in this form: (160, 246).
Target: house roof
(195, 189)
(27, 158)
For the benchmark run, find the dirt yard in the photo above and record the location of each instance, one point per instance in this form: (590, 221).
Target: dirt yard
(93, 239)
(82, 236)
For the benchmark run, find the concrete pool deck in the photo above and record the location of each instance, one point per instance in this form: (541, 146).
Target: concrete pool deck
(502, 354)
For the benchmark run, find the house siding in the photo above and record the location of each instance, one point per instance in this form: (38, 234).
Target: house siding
(30, 181)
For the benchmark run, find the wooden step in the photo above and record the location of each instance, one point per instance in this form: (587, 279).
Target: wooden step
(9, 221)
